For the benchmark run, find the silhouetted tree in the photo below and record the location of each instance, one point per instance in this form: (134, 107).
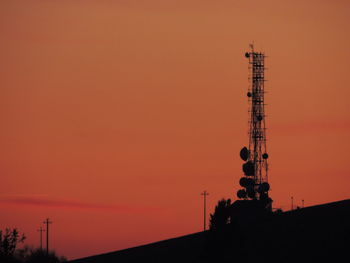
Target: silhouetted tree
(9, 253)
(40, 256)
(278, 211)
(22, 254)
(219, 240)
(9, 239)
(221, 216)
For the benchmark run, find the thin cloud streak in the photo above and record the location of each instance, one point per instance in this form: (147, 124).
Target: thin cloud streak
(72, 204)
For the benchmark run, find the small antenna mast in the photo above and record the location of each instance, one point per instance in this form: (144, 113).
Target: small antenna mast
(205, 193)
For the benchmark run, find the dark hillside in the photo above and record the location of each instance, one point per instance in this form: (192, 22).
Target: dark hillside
(311, 234)
(171, 250)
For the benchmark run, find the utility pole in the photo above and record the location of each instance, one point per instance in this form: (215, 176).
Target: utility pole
(292, 202)
(302, 202)
(205, 193)
(47, 222)
(41, 230)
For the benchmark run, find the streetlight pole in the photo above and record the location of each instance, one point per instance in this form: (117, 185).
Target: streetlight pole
(205, 193)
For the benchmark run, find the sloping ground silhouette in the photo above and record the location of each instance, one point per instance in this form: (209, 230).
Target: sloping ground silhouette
(311, 234)
(170, 250)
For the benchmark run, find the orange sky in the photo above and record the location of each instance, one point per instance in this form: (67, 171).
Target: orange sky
(117, 114)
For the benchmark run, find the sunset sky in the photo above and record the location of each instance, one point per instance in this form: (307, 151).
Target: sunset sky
(116, 114)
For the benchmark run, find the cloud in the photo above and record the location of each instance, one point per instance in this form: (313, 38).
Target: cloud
(73, 204)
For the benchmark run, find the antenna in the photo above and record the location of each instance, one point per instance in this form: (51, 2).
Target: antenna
(47, 222)
(205, 193)
(255, 168)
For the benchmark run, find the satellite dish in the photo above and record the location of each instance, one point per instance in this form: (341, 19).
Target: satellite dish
(244, 153)
(263, 196)
(265, 156)
(249, 94)
(248, 168)
(264, 187)
(246, 182)
(250, 182)
(251, 192)
(243, 182)
(246, 55)
(241, 194)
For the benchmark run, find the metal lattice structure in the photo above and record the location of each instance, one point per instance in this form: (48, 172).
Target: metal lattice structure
(255, 168)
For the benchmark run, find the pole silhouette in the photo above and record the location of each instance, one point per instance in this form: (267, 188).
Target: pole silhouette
(292, 199)
(205, 193)
(41, 230)
(47, 222)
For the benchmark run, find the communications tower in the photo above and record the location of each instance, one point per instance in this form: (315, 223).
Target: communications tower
(255, 180)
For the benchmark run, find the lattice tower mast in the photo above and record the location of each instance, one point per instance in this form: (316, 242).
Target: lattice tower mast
(256, 166)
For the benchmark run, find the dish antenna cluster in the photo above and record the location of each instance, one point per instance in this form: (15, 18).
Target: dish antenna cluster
(255, 168)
